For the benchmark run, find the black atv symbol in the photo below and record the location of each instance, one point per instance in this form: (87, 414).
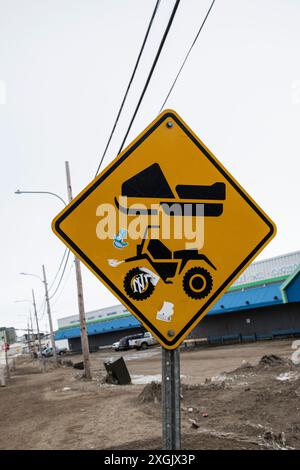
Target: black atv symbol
(151, 183)
(197, 282)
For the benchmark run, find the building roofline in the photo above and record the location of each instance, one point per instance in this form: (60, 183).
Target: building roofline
(297, 252)
(290, 278)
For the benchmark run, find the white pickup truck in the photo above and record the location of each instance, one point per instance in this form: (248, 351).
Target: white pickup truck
(143, 342)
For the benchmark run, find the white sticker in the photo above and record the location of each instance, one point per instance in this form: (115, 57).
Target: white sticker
(166, 312)
(152, 276)
(114, 262)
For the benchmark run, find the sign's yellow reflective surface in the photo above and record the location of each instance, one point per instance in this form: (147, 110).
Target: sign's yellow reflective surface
(166, 228)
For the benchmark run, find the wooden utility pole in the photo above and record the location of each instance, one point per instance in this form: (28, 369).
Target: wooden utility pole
(28, 338)
(6, 356)
(84, 337)
(38, 330)
(49, 314)
(31, 325)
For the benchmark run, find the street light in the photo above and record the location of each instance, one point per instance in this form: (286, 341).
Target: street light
(30, 317)
(34, 275)
(44, 281)
(23, 314)
(27, 319)
(84, 337)
(41, 192)
(37, 325)
(27, 329)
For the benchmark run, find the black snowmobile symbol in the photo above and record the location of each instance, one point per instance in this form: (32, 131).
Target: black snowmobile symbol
(197, 281)
(151, 183)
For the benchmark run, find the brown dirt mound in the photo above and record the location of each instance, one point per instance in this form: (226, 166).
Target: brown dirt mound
(267, 362)
(27, 370)
(272, 361)
(150, 393)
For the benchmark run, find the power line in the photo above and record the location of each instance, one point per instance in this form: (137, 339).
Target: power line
(129, 84)
(42, 307)
(57, 272)
(61, 277)
(65, 283)
(42, 304)
(152, 70)
(187, 55)
(42, 313)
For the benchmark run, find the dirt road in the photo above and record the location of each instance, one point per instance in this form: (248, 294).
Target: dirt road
(252, 408)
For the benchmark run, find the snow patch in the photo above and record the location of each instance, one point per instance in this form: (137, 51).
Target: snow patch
(287, 376)
(147, 379)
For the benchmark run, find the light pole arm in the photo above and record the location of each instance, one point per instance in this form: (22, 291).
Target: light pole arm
(34, 275)
(41, 192)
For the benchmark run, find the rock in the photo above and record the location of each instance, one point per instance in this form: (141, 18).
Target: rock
(190, 410)
(194, 423)
(278, 438)
(66, 389)
(67, 363)
(272, 360)
(79, 365)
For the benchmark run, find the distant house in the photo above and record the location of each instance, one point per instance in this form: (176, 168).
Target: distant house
(8, 335)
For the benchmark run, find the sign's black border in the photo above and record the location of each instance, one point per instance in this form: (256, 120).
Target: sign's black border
(102, 275)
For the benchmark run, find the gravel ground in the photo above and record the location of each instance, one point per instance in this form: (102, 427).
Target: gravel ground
(232, 399)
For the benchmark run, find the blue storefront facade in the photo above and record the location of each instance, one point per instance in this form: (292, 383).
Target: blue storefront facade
(250, 311)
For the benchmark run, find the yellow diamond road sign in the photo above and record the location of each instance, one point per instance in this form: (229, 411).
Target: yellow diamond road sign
(166, 228)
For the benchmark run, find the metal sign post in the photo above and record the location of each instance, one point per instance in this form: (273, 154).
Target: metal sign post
(171, 399)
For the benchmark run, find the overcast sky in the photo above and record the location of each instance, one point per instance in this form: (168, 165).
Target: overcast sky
(64, 67)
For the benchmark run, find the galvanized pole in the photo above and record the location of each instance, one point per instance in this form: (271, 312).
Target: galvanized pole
(84, 337)
(171, 399)
(38, 330)
(49, 314)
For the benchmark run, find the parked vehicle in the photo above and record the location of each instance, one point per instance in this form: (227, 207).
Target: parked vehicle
(48, 352)
(143, 342)
(124, 343)
(115, 345)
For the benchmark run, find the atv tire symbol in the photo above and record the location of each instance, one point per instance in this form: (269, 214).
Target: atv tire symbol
(197, 283)
(138, 285)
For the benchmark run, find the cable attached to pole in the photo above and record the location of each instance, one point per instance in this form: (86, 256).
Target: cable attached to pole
(152, 70)
(187, 55)
(129, 84)
(59, 268)
(61, 277)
